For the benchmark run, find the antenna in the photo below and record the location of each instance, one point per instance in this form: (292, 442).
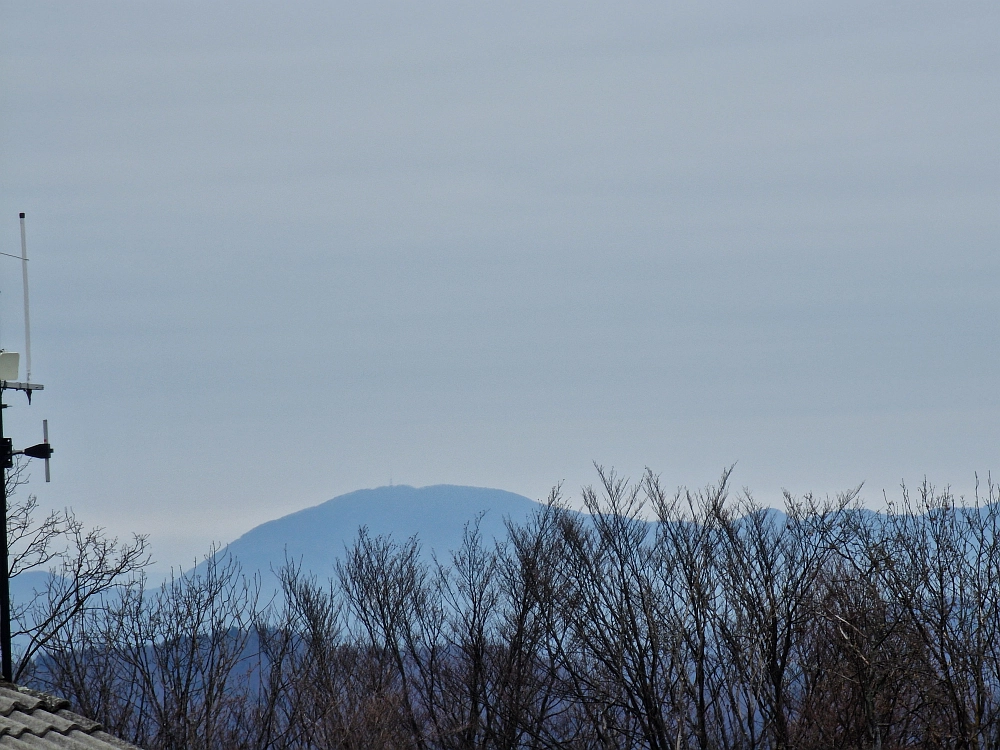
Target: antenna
(27, 319)
(43, 450)
(45, 439)
(9, 382)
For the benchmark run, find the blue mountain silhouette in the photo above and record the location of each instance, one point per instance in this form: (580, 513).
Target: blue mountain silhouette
(436, 515)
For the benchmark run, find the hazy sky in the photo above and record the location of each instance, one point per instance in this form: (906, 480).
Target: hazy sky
(282, 251)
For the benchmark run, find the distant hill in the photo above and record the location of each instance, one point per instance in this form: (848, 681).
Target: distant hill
(437, 515)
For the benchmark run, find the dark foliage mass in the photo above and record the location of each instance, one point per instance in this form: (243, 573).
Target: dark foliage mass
(717, 624)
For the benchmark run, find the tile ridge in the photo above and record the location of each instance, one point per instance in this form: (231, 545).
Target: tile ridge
(46, 730)
(17, 705)
(51, 703)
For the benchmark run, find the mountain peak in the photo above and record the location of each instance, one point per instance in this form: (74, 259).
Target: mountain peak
(436, 515)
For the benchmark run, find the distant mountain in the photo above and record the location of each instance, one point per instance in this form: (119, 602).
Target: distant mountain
(24, 586)
(437, 515)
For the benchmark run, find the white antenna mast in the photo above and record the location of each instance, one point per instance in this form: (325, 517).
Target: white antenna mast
(27, 320)
(9, 369)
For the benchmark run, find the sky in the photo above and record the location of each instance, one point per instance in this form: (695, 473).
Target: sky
(280, 252)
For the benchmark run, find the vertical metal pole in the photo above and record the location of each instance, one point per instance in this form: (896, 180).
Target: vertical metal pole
(8, 668)
(27, 320)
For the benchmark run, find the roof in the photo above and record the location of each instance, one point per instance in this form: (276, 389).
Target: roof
(29, 719)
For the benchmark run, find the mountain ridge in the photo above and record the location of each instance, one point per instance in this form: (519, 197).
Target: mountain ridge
(436, 515)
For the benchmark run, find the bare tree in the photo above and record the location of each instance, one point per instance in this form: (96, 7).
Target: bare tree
(772, 564)
(688, 544)
(528, 708)
(940, 564)
(332, 692)
(863, 684)
(608, 628)
(393, 609)
(85, 568)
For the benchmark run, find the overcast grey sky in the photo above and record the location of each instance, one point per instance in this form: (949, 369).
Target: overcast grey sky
(285, 251)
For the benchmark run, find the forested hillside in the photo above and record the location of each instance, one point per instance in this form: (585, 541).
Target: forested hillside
(720, 625)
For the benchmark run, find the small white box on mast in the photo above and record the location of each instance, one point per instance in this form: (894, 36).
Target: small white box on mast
(9, 365)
